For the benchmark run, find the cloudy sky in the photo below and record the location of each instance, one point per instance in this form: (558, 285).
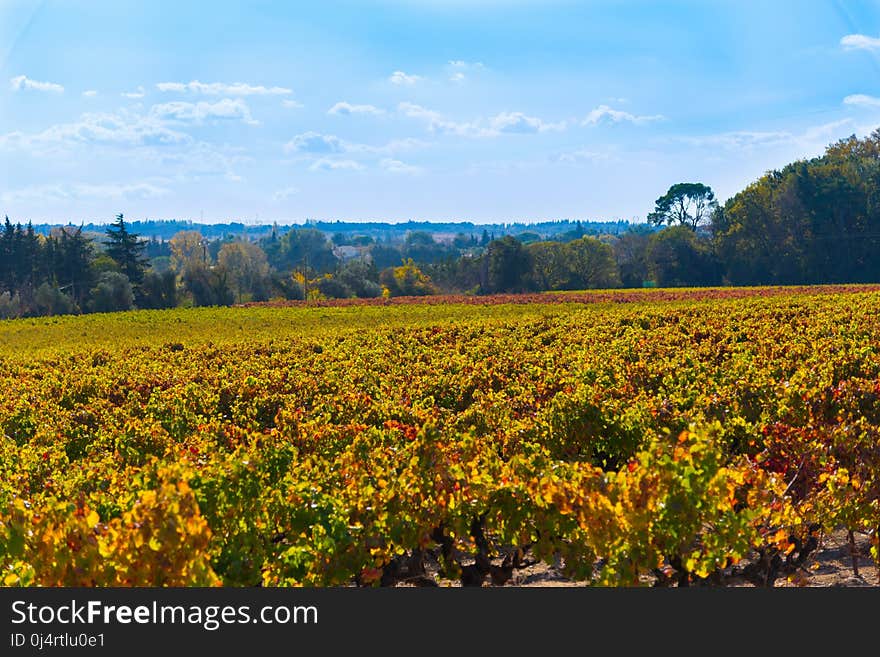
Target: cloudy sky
(482, 110)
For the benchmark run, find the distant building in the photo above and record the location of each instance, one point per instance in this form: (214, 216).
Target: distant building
(346, 252)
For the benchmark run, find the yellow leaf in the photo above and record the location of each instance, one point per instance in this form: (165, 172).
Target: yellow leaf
(11, 579)
(93, 518)
(155, 545)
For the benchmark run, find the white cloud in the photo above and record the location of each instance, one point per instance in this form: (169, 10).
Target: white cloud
(824, 131)
(396, 166)
(326, 164)
(860, 42)
(227, 108)
(519, 123)
(285, 193)
(460, 63)
(401, 78)
(137, 190)
(154, 140)
(459, 69)
(812, 138)
(223, 89)
(292, 104)
(862, 100)
(139, 93)
(741, 139)
(392, 147)
(91, 93)
(193, 161)
(74, 191)
(437, 123)
(505, 166)
(418, 112)
(22, 82)
(398, 145)
(171, 86)
(503, 123)
(604, 113)
(579, 156)
(347, 109)
(123, 128)
(314, 142)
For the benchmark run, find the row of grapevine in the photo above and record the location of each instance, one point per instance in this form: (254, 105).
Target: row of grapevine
(702, 441)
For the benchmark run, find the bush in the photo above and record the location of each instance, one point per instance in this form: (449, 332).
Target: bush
(10, 305)
(333, 288)
(407, 280)
(112, 293)
(49, 300)
(158, 290)
(209, 286)
(677, 256)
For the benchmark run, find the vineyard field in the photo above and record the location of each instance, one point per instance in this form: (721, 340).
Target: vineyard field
(665, 437)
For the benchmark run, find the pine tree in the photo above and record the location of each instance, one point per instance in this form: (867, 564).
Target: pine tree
(32, 256)
(73, 256)
(7, 242)
(126, 250)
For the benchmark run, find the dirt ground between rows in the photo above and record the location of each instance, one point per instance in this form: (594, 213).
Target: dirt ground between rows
(829, 566)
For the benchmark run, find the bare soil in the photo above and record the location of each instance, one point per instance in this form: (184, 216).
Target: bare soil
(831, 565)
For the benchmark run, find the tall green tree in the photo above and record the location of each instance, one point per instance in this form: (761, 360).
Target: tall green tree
(813, 221)
(423, 248)
(630, 250)
(508, 265)
(33, 264)
(159, 289)
(361, 276)
(677, 256)
(10, 256)
(112, 293)
(591, 263)
(188, 250)
(247, 267)
(72, 254)
(126, 250)
(684, 204)
(550, 270)
(303, 249)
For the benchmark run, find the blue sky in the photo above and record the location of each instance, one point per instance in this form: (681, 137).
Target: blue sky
(492, 110)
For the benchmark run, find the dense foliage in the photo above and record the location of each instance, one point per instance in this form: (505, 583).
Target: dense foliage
(700, 441)
(814, 221)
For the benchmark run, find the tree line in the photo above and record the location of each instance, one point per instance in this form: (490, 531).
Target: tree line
(70, 271)
(814, 221)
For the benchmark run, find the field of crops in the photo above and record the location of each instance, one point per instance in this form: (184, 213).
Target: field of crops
(671, 440)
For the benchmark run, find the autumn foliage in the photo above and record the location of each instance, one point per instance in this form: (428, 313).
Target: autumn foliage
(698, 441)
